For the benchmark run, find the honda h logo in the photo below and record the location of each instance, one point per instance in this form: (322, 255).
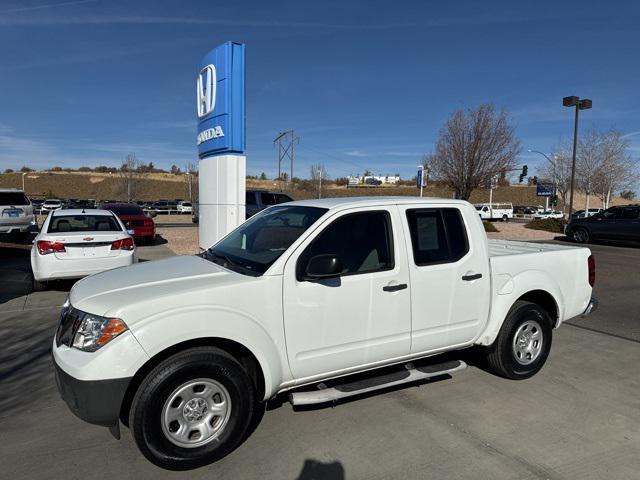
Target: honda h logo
(206, 94)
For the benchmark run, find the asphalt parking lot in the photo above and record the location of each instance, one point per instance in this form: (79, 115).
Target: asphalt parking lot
(578, 419)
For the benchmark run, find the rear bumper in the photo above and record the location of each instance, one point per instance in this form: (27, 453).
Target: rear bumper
(94, 401)
(49, 268)
(592, 307)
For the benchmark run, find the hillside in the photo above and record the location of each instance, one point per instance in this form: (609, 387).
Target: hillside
(164, 185)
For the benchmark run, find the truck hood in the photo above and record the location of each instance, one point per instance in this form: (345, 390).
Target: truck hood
(115, 291)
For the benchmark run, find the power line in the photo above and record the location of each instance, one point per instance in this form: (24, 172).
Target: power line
(286, 141)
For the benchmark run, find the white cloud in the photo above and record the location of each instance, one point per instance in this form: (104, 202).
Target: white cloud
(355, 153)
(45, 6)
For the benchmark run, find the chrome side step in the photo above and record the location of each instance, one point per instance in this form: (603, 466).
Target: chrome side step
(410, 374)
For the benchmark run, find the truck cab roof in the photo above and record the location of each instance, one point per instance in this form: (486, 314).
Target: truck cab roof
(338, 203)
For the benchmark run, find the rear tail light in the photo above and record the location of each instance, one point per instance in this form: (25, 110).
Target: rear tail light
(148, 222)
(123, 244)
(46, 247)
(592, 270)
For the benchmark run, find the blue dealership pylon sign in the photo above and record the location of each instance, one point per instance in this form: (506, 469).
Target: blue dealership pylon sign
(220, 107)
(220, 98)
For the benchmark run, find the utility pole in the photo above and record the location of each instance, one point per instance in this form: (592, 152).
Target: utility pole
(320, 183)
(286, 142)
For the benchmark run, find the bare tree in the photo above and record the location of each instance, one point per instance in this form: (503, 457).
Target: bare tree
(472, 147)
(191, 182)
(617, 171)
(560, 171)
(317, 171)
(588, 163)
(130, 177)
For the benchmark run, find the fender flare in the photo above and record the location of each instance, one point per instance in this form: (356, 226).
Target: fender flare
(211, 322)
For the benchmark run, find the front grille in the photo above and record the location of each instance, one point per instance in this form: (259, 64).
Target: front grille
(69, 322)
(136, 223)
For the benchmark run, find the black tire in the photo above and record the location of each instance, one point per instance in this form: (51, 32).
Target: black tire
(505, 218)
(145, 415)
(580, 235)
(502, 357)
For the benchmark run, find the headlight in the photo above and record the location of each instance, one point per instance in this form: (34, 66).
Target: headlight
(96, 331)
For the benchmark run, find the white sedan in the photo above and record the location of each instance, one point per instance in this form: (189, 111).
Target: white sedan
(549, 214)
(76, 243)
(50, 205)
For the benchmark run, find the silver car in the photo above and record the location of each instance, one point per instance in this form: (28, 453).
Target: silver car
(16, 213)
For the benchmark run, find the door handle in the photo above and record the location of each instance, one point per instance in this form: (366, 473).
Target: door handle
(394, 288)
(474, 276)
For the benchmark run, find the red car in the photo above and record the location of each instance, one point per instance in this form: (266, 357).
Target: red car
(144, 229)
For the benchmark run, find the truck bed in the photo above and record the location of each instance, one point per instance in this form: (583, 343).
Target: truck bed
(560, 269)
(498, 248)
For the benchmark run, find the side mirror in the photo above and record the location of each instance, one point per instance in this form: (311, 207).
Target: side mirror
(323, 266)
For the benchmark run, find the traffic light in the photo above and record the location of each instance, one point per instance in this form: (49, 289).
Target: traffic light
(554, 201)
(535, 180)
(525, 171)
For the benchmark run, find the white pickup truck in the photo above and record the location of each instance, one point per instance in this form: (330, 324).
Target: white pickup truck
(185, 351)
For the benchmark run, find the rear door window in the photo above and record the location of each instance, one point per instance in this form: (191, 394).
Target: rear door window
(251, 198)
(13, 198)
(630, 213)
(612, 213)
(438, 235)
(268, 198)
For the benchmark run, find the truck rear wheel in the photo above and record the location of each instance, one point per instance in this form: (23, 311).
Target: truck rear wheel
(523, 344)
(192, 409)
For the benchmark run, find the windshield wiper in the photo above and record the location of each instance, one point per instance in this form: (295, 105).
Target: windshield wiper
(227, 262)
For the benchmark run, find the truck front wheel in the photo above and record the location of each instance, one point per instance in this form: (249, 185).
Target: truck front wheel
(192, 409)
(523, 344)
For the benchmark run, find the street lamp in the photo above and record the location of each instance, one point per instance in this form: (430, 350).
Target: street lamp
(583, 104)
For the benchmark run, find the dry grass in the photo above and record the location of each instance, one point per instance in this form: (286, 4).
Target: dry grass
(182, 241)
(165, 185)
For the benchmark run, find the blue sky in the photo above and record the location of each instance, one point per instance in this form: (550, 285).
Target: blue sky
(365, 84)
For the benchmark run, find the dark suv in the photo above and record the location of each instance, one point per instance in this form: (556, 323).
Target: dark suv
(258, 200)
(616, 223)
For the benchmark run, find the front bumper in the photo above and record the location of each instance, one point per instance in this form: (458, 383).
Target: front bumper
(592, 307)
(94, 401)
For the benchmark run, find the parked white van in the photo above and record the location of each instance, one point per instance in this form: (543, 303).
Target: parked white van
(495, 211)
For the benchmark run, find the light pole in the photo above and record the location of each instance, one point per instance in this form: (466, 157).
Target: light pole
(583, 104)
(553, 164)
(319, 183)
(23, 174)
(189, 180)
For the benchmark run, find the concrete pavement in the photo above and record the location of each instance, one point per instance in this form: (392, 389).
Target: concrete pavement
(578, 419)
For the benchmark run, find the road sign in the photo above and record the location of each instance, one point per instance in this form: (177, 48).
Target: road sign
(545, 189)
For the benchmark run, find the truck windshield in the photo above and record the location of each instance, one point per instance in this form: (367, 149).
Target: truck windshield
(253, 247)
